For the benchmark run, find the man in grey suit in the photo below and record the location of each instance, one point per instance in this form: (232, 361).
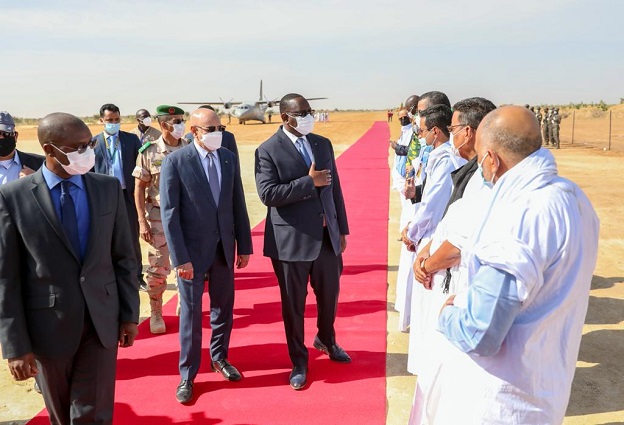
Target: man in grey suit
(68, 290)
(116, 154)
(205, 220)
(306, 228)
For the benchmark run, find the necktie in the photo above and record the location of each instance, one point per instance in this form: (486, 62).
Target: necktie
(303, 152)
(68, 217)
(213, 178)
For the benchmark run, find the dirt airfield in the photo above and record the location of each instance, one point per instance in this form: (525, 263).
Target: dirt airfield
(598, 388)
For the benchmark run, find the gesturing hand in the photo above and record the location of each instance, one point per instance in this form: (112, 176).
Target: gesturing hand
(321, 177)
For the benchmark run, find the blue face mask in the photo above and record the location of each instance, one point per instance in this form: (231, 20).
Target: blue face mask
(486, 183)
(111, 128)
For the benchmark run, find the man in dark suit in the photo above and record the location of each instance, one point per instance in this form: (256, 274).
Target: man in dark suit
(306, 228)
(116, 154)
(204, 216)
(228, 141)
(68, 292)
(13, 163)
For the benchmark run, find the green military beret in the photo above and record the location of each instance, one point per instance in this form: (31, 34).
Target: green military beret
(168, 110)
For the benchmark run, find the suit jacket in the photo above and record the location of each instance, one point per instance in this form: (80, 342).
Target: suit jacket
(294, 222)
(30, 160)
(228, 141)
(45, 291)
(192, 222)
(460, 178)
(130, 145)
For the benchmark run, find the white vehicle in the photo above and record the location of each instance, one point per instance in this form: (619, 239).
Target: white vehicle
(248, 111)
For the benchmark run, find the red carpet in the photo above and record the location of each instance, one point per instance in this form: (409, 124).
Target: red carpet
(336, 393)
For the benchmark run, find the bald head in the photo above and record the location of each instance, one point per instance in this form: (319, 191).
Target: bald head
(511, 131)
(59, 127)
(204, 117)
(411, 102)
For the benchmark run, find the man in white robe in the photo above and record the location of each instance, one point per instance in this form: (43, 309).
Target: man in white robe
(434, 122)
(516, 330)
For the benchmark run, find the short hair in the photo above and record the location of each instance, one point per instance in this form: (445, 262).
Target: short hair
(436, 98)
(108, 107)
(438, 116)
(206, 107)
(285, 101)
(472, 110)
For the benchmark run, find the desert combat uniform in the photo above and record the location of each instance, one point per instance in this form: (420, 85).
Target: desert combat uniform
(555, 123)
(546, 127)
(149, 161)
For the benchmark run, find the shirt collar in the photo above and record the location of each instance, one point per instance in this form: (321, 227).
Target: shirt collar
(52, 179)
(106, 135)
(291, 136)
(203, 152)
(15, 160)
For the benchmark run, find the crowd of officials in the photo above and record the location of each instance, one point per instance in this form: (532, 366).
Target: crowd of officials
(496, 262)
(70, 223)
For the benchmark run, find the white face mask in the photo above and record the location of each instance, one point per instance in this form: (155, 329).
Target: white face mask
(147, 121)
(456, 149)
(212, 141)
(79, 163)
(178, 130)
(305, 124)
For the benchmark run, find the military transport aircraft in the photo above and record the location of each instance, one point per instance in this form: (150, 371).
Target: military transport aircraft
(248, 111)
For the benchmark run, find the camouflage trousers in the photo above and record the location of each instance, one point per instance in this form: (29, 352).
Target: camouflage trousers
(546, 133)
(555, 136)
(159, 263)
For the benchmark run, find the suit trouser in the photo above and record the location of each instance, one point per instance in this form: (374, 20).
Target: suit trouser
(80, 388)
(133, 219)
(292, 276)
(221, 292)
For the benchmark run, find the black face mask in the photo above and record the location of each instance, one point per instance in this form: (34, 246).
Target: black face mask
(7, 145)
(404, 120)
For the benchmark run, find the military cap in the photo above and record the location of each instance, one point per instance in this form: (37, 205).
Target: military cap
(6, 122)
(164, 110)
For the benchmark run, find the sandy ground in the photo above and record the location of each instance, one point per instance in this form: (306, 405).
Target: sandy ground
(598, 389)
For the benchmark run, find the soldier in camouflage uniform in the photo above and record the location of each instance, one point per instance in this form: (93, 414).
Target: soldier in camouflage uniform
(555, 123)
(550, 125)
(546, 127)
(538, 115)
(147, 197)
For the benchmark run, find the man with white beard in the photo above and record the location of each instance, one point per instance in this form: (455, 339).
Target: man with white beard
(516, 329)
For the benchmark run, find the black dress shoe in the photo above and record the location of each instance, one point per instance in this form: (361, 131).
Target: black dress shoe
(228, 371)
(298, 378)
(184, 392)
(335, 352)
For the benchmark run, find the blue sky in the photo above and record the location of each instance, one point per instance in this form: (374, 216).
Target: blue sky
(73, 56)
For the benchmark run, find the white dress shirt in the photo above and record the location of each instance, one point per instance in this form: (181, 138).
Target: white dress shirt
(306, 144)
(203, 155)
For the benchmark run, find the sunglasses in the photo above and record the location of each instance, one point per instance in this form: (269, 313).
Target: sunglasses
(212, 128)
(301, 114)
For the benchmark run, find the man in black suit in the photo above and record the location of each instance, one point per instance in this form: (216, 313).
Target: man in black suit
(228, 141)
(116, 154)
(68, 292)
(204, 216)
(306, 228)
(13, 163)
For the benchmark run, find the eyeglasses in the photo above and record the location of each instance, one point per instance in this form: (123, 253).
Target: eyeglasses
(301, 114)
(177, 121)
(212, 128)
(422, 130)
(450, 128)
(80, 149)
(7, 134)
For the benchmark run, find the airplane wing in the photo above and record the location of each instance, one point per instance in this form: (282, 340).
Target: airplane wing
(209, 103)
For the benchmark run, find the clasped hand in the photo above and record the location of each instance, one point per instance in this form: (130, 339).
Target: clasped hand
(320, 177)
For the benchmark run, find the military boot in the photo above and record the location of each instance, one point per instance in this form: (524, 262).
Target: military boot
(157, 324)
